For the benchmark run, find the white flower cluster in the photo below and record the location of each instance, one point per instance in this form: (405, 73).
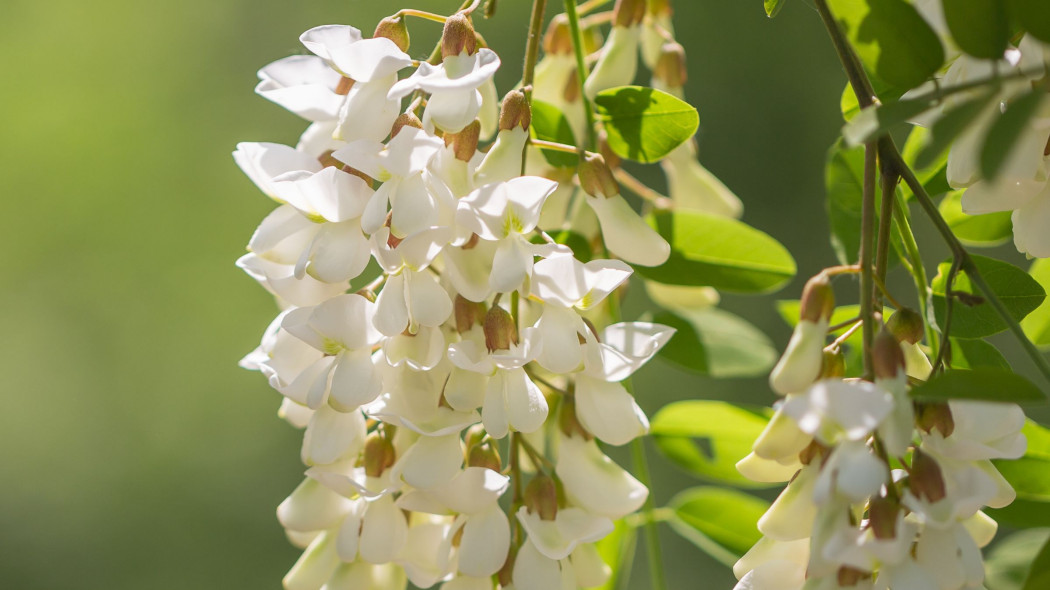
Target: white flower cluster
(1023, 182)
(882, 494)
(422, 399)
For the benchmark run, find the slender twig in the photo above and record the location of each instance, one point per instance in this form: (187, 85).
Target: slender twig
(867, 231)
(836, 343)
(845, 269)
(532, 45)
(544, 382)
(639, 188)
(916, 268)
(883, 291)
(836, 327)
(581, 67)
(553, 145)
(421, 14)
(882, 248)
(949, 307)
(538, 460)
(591, 5)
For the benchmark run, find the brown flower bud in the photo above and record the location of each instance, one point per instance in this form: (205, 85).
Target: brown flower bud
(834, 365)
(393, 28)
(465, 143)
(467, 313)
(887, 358)
(906, 325)
(596, 178)
(818, 299)
(930, 416)
(541, 497)
(882, 517)
(568, 422)
(628, 13)
(379, 455)
(925, 479)
(344, 86)
(458, 36)
(500, 330)
(486, 456)
(558, 38)
(515, 111)
(670, 66)
(405, 120)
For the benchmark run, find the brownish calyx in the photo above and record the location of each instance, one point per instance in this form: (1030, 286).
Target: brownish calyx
(395, 29)
(571, 92)
(486, 456)
(935, 416)
(379, 455)
(500, 330)
(515, 111)
(849, 576)
(458, 36)
(611, 158)
(628, 13)
(541, 497)
(814, 451)
(568, 422)
(505, 573)
(818, 299)
(925, 478)
(405, 120)
(882, 517)
(596, 178)
(558, 38)
(344, 86)
(906, 325)
(465, 142)
(467, 313)
(886, 355)
(670, 66)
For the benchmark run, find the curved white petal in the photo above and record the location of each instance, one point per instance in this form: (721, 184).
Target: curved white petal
(312, 507)
(592, 481)
(383, 531)
(557, 538)
(332, 436)
(355, 381)
(303, 84)
(626, 234)
(431, 461)
(608, 411)
(485, 542)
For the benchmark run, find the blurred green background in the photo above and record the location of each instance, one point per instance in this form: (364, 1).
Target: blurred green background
(134, 453)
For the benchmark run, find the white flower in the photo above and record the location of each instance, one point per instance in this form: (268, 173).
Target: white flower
(592, 481)
(833, 410)
(691, 186)
(801, 363)
(773, 565)
(791, 515)
(453, 87)
(983, 430)
(618, 62)
(571, 527)
(535, 571)
(303, 84)
(626, 234)
(280, 280)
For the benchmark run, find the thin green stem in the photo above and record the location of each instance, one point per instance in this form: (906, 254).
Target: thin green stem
(915, 267)
(532, 45)
(867, 234)
(652, 534)
(943, 354)
(581, 68)
(882, 250)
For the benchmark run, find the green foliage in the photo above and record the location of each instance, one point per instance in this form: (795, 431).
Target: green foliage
(891, 38)
(644, 124)
(972, 316)
(716, 343)
(950, 125)
(992, 384)
(1037, 324)
(844, 188)
(550, 124)
(773, 7)
(618, 548)
(1009, 561)
(708, 250)
(874, 122)
(972, 354)
(989, 229)
(1030, 475)
(718, 520)
(1002, 137)
(932, 171)
(1033, 16)
(979, 27)
(1039, 574)
(707, 438)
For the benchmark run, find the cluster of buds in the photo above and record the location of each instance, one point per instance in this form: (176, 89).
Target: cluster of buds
(478, 357)
(882, 492)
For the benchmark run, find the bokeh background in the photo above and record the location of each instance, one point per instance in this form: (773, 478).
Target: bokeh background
(134, 453)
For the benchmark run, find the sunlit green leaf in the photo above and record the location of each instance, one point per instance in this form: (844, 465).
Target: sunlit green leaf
(550, 124)
(982, 383)
(644, 124)
(708, 250)
(933, 173)
(1033, 16)
(891, 38)
(726, 517)
(874, 122)
(618, 548)
(1002, 137)
(978, 27)
(773, 7)
(1037, 324)
(987, 230)
(972, 316)
(717, 343)
(707, 438)
(973, 353)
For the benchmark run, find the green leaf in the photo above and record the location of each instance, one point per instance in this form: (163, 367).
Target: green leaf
(844, 187)
(987, 230)
(891, 38)
(1039, 574)
(973, 317)
(1037, 324)
(618, 548)
(979, 27)
(708, 250)
(950, 126)
(550, 124)
(717, 343)
(992, 384)
(773, 7)
(874, 122)
(726, 517)
(1033, 16)
(848, 101)
(932, 174)
(1022, 514)
(1030, 475)
(707, 438)
(644, 124)
(1008, 562)
(972, 354)
(1002, 137)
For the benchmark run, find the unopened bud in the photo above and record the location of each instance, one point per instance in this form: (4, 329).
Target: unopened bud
(605, 150)
(596, 178)
(467, 313)
(882, 517)
(568, 422)
(936, 416)
(849, 576)
(906, 325)
(458, 36)
(393, 28)
(558, 38)
(515, 111)
(485, 456)
(670, 66)
(465, 143)
(818, 299)
(500, 331)
(541, 497)
(925, 479)
(834, 366)
(887, 358)
(405, 120)
(628, 13)
(344, 85)
(379, 455)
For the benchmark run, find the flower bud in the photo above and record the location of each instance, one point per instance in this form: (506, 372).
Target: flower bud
(611, 159)
(670, 66)
(458, 36)
(834, 366)
(465, 142)
(596, 178)
(405, 120)
(467, 313)
(886, 355)
(541, 497)
(818, 299)
(936, 416)
(925, 479)
(515, 111)
(500, 330)
(628, 12)
(344, 86)
(568, 422)
(379, 455)
(393, 28)
(882, 517)
(906, 325)
(558, 38)
(486, 456)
